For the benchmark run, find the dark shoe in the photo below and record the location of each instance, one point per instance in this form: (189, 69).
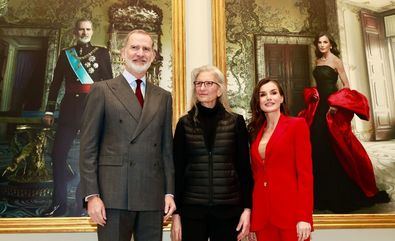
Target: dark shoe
(84, 213)
(381, 197)
(55, 211)
(78, 212)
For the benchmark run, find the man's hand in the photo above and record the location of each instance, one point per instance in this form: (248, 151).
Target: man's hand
(176, 230)
(97, 210)
(48, 120)
(303, 230)
(244, 224)
(170, 206)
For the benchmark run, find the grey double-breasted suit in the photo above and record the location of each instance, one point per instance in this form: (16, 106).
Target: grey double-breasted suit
(126, 151)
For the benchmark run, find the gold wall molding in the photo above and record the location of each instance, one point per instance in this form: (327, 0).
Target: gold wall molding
(84, 225)
(353, 221)
(46, 225)
(218, 33)
(179, 62)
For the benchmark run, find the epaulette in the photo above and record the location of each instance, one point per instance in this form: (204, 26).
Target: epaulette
(64, 49)
(100, 46)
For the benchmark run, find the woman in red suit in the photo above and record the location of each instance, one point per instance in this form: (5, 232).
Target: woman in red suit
(282, 203)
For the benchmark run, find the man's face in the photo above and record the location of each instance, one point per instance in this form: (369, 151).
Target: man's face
(138, 54)
(84, 32)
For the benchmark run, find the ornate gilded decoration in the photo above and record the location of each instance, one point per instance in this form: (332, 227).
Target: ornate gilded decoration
(28, 164)
(136, 14)
(124, 18)
(3, 7)
(91, 65)
(88, 56)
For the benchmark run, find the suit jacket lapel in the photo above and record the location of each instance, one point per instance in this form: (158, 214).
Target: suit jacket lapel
(280, 129)
(152, 103)
(125, 95)
(255, 144)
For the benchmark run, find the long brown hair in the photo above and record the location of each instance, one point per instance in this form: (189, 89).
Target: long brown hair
(257, 115)
(332, 41)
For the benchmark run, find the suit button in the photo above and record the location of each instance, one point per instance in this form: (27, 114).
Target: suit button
(77, 95)
(131, 164)
(265, 184)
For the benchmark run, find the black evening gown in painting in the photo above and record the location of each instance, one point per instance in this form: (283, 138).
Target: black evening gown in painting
(333, 188)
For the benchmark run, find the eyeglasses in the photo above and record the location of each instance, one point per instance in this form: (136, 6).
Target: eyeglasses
(207, 84)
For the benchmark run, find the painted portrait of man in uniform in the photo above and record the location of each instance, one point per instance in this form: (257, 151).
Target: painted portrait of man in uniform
(51, 52)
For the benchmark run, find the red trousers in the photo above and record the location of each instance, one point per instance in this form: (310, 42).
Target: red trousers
(273, 233)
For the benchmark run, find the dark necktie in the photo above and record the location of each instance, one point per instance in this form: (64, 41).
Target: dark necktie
(139, 95)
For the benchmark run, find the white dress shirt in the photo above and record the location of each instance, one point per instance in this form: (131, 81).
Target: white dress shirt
(131, 79)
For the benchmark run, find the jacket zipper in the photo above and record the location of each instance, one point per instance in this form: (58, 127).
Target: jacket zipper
(210, 177)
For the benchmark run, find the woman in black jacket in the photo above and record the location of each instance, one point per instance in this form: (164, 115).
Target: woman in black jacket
(212, 166)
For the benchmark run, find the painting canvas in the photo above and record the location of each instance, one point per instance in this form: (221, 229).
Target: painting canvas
(32, 34)
(239, 49)
(265, 38)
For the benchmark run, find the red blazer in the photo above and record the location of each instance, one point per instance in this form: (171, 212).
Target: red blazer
(283, 182)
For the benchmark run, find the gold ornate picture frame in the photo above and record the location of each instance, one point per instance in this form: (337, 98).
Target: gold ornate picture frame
(321, 221)
(83, 224)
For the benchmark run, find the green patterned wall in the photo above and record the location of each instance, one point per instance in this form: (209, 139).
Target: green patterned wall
(63, 13)
(249, 18)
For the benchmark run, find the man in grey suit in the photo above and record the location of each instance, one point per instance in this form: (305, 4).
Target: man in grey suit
(126, 162)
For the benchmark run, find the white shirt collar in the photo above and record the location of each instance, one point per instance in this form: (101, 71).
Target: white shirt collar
(131, 79)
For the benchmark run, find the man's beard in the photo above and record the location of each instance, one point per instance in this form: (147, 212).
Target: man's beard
(84, 39)
(137, 68)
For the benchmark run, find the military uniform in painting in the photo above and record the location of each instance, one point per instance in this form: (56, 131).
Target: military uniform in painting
(96, 61)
